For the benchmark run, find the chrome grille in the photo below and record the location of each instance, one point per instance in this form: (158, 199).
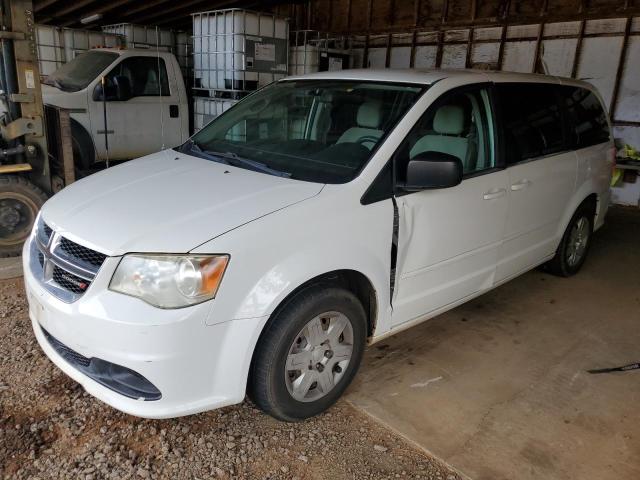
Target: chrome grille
(65, 268)
(69, 281)
(44, 232)
(76, 252)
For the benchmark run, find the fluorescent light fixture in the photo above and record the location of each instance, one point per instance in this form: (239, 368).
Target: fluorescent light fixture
(91, 18)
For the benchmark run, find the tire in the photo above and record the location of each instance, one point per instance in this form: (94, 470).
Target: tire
(285, 343)
(569, 258)
(20, 201)
(84, 154)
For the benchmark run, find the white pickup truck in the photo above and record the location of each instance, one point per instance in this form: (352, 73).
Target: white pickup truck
(144, 97)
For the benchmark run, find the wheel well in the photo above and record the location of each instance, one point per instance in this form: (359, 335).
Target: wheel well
(592, 202)
(351, 280)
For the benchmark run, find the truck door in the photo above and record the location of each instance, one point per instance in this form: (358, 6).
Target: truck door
(143, 109)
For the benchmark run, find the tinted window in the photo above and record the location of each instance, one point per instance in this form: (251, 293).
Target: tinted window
(459, 124)
(531, 120)
(587, 119)
(147, 76)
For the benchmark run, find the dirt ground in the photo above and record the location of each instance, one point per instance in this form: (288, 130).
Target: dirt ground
(50, 428)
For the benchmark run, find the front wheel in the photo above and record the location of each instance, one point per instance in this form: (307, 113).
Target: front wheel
(575, 243)
(309, 353)
(20, 201)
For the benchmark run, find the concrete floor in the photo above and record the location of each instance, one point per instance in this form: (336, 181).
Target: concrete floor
(498, 388)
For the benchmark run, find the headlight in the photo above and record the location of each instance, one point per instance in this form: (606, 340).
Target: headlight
(170, 281)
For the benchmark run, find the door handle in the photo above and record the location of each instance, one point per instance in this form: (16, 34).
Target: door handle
(521, 185)
(494, 193)
(174, 111)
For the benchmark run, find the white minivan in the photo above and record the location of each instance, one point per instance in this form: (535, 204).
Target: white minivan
(317, 215)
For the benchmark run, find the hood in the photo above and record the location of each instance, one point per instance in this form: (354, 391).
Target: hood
(167, 202)
(58, 98)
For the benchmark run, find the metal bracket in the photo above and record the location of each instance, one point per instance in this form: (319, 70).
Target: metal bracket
(21, 97)
(19, 167)
(6, 35)
(22, 126)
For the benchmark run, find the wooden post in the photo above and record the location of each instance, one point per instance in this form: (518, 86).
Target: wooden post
(576, 58)
(66, 146)
(620, 70)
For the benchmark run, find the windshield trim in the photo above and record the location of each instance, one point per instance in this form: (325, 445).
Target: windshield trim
(421, 87)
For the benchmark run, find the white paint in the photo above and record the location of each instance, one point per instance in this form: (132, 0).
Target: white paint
(424, 384)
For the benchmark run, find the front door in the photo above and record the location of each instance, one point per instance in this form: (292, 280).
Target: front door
(449, 239)
(147, 119)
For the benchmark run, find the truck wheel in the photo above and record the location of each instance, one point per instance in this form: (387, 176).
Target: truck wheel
(84, 154)
(309, 353)
(575, 243)
(20, 201)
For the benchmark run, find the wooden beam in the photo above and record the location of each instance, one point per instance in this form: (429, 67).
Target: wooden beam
(440, 48)
(416, 13)
(467, 60)
(184, 8)
(106, 7)
(445, 11)
(412, 56)
(387, 59)
(503, 41)
(63, 12)
(39, 6)
(536, 55)
(620, 70)
(576, 57)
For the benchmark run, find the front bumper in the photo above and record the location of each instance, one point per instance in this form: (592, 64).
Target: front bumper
(195, 366)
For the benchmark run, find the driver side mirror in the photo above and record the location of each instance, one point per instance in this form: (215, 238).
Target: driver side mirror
(117, 89)
(433, 170)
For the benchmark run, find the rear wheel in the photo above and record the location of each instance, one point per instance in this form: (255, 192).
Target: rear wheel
(309, 353)
(20, 202)
(573, 249)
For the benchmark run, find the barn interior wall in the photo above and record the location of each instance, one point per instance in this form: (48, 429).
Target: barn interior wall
(594, 40)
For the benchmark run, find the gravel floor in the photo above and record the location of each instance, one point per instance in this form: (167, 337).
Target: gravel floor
(50, 428)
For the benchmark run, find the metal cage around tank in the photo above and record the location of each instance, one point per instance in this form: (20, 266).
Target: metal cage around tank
(236, 51)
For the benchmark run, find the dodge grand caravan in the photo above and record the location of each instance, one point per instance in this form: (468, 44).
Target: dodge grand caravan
(316, 215)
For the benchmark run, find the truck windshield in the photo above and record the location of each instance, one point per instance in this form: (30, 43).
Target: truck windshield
(319, 131)
(81, 71)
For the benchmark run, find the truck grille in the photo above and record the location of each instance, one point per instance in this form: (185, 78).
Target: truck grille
(65, 268)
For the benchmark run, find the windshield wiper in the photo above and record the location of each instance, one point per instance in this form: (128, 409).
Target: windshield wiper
(237, 161)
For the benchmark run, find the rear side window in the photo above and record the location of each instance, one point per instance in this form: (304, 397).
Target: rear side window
(587, 119)
(531, 120)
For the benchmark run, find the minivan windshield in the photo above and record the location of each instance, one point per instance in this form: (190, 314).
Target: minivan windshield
(80, 71)
(318, 131)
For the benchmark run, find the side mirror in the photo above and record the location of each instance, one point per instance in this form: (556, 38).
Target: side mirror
(117, 89)
(433, 170)
(123, 88)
